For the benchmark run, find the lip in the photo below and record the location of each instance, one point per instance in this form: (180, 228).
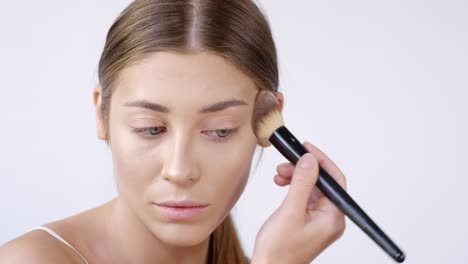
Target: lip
(184, 203)
(180, 210)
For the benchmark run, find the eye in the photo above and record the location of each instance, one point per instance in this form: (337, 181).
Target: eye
(222, 134)
(149, 131)
(154, 130)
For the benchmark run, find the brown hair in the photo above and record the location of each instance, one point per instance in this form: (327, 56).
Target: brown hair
(236, 30)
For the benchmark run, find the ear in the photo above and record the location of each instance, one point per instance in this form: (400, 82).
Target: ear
(100, 126)
(280, 97)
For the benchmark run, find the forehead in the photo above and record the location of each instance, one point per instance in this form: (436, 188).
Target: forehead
(190, 79)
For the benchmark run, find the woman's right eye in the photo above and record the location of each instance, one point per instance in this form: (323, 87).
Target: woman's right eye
(149, 131)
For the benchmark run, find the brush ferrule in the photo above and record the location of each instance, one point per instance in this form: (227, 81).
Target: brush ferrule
(287, 144)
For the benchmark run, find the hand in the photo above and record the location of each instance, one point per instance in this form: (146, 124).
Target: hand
(306, 222)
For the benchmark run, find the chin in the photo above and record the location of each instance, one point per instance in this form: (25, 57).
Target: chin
(182, 234)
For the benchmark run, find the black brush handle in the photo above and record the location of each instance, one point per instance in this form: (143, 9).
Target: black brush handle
(292, 150)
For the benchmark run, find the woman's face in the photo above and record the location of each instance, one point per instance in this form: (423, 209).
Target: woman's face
(180, 129)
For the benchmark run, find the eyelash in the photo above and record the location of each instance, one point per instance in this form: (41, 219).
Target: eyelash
(217, 139)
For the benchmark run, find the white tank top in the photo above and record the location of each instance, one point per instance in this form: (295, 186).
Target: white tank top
(52, 233)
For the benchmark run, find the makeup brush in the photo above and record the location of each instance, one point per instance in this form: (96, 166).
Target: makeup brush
(269, 127)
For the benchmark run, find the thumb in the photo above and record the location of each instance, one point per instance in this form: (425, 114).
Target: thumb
(303, 180)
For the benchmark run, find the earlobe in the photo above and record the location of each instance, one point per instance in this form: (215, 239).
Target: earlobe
(100, 126)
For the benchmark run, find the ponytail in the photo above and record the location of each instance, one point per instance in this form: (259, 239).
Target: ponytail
(225, 247)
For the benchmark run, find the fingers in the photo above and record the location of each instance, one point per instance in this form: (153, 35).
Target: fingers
(281, 181)
(304, 197)
(315, 196)
(327, 164)
(325, 205)
(305, 176)
(285, 170)
(332, 218)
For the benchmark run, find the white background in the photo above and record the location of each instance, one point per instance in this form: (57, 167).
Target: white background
(380, 86)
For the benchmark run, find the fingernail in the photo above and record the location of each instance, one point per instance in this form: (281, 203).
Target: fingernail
(306, 161)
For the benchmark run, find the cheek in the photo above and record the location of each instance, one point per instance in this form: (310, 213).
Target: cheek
(132, 169)
(230, 172)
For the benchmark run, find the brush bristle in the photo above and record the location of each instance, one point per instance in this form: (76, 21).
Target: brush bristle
(267, 116)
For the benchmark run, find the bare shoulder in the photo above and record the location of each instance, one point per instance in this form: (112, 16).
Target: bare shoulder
(35, 247)
(40, 247)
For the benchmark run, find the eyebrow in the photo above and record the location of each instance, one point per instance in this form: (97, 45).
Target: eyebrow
(216, 107)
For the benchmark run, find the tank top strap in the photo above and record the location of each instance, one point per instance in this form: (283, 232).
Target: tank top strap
(52, 233)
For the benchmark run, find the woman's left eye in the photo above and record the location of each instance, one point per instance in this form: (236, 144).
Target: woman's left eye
(222, 134)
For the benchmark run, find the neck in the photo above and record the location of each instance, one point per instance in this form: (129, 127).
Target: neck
(130, 241)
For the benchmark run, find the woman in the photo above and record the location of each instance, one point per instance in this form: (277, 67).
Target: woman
(176, 94)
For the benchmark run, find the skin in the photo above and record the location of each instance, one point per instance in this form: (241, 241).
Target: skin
(180, 154)
(305, 217)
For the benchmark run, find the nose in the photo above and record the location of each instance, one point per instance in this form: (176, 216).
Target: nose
(180, 167)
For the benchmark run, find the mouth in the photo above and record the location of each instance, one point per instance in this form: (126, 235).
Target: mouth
(180, 210)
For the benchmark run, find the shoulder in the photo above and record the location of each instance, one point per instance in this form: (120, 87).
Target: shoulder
(35, 247)
(40, 247)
